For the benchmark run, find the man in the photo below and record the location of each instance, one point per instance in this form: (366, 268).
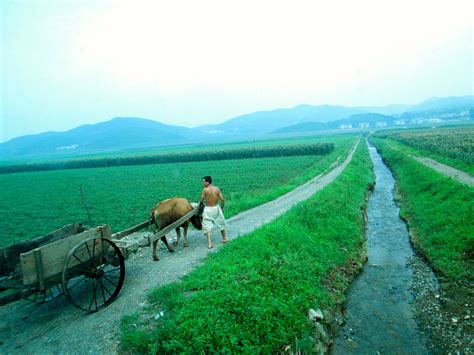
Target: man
(212, 214)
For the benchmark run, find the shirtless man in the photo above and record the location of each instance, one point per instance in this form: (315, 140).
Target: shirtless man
(212, 214)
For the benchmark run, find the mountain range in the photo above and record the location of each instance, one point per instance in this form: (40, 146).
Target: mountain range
(127, 133)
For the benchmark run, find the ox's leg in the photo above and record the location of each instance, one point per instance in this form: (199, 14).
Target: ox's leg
(178, 233)
(155, 256)
(185, 226)
(164, 240)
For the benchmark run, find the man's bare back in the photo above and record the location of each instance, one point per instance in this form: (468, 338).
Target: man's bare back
(212, 194)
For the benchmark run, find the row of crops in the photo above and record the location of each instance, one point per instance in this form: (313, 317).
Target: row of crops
(454, 143)
(180, 157)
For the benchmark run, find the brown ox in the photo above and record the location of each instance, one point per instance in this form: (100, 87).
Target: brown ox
(168, 212)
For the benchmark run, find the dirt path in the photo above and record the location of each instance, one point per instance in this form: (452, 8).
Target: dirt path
(380, 315)
(58, 328)
(446, 170)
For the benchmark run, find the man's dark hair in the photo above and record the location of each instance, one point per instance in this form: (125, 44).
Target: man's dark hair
(208, 179)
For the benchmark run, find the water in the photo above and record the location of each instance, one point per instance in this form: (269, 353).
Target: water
(379, 313)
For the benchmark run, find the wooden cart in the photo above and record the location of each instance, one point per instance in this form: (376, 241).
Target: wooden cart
(88, 266)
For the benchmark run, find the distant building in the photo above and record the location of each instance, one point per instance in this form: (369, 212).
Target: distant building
(381, 124)
(346, 126)
(400, 122)
(435, 120)
(68, 147)
(364, 125)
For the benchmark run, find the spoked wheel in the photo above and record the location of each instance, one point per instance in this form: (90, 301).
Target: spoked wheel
(46, 295)
(93, 274)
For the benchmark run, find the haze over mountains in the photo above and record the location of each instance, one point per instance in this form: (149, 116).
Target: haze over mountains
(133, 133)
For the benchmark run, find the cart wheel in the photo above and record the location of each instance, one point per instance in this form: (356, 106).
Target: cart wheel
(93, 274)
(44, 296)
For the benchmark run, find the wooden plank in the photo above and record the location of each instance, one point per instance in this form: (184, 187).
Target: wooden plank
(53, 256)
(174, 225)
(39, 268)
(136, 228)
(10, 255)
(105, 231)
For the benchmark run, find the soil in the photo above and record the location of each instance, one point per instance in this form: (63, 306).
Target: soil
(56, 327)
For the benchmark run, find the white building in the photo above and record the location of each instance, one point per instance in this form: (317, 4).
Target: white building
(346, 126)
(381, 124)
(400, 122)
(364, 125)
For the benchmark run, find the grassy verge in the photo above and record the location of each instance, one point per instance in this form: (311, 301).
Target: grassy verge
(442, 159)
(254, 294)
(439, 212)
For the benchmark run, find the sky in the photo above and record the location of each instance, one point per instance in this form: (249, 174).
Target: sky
(70, 62)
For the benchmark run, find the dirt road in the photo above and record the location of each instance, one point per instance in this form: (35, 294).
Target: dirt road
(446, 170)
(58, 328)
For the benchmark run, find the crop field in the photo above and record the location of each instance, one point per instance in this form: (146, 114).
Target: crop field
(189, 148)
(35, 203)
(179, 157)
(452, 146)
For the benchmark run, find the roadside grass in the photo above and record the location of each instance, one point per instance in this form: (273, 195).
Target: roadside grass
(35, 203)
(253, 295)
(442, 158)
(439, 212)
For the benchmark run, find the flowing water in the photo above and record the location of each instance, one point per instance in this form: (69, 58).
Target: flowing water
(379, 313)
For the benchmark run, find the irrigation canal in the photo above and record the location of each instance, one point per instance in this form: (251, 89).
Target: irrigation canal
(379, 313)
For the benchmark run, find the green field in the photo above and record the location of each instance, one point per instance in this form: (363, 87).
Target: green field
(281, 150)
(253, 295)
(189, 148)
(452, 146)
(35, 203)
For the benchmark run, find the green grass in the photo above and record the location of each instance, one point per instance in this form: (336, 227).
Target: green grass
(187, 148)
(439, 212)
(36, 203)
(253, 295)
(453, 146)
(280, 150)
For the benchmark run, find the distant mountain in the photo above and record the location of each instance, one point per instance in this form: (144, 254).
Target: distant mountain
(386, 110)
(262, 122)
(354, 121)
(444, 104)
(116, 134)
(125, 133)
(371, 118)
(304, 127)
(267, 121)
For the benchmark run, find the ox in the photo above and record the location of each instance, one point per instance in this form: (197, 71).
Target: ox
(168, 212)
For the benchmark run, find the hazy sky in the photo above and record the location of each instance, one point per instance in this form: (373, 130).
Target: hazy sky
(66, 63)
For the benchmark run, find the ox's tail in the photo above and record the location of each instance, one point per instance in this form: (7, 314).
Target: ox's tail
(152, 218)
